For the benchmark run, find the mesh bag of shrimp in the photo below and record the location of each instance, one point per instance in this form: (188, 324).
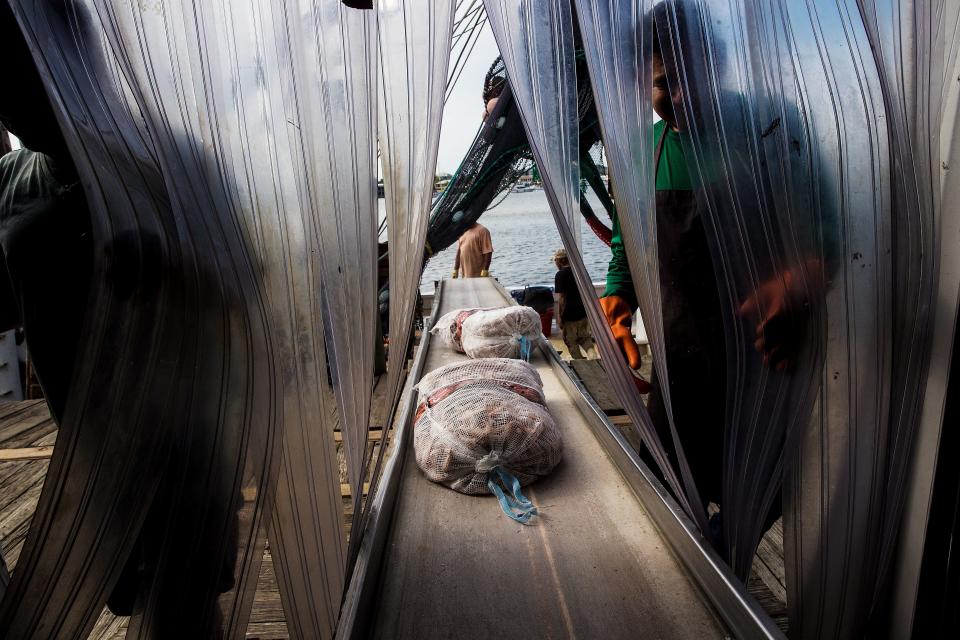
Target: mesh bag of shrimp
(482, 427)
(505, 332)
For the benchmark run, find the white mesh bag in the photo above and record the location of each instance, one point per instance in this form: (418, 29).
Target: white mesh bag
(505, 332)
(449, 325)
(487, 435)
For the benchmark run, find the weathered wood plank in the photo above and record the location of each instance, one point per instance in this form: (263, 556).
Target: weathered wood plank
(47, 439)
(267, 631)
(17, 504)
(9, 409)
(10, 472)
(766, 574)
(26, 426)
(775, 608)
(266, 617)
(28, 437)
(26, 453)
(768, 563)
(13, 490)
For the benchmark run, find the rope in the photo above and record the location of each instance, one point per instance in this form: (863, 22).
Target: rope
(515, 505)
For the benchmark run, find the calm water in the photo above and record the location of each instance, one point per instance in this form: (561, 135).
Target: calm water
(524, 239)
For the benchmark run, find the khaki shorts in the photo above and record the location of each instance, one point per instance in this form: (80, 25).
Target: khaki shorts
(577, 337)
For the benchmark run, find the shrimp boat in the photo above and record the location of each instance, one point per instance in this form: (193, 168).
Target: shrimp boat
(231, 459)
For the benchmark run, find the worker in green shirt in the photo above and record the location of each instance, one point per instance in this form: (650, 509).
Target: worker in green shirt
(692, 316)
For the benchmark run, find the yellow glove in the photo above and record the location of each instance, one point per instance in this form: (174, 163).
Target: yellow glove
(455, 274)
(484, 274)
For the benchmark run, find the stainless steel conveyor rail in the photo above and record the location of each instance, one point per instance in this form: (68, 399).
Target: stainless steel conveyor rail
(611, 556)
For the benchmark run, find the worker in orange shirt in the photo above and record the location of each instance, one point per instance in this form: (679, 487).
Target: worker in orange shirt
(474, 253)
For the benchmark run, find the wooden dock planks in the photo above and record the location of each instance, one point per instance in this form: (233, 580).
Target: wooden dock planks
(27, 426)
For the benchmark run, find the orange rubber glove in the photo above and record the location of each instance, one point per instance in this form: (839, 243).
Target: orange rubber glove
(780, 309)
(620, 318)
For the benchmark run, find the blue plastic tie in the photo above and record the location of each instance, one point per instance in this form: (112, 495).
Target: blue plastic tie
(526, 345)
(515, 505)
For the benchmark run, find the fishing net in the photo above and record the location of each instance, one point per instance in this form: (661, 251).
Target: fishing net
(486, 427)
(500, 155)
(507, 332)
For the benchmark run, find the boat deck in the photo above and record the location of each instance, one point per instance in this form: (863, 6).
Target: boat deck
(592, 566)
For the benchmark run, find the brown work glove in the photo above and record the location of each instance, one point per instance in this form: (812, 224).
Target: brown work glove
(620, 318)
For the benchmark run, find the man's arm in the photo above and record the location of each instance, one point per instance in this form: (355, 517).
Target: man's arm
(561, 308)
(619, 301)
(487, 250)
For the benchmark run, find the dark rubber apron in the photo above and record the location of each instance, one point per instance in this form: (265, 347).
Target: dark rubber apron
(693, 335)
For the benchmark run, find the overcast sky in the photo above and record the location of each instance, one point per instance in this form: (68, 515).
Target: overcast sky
(464, 109)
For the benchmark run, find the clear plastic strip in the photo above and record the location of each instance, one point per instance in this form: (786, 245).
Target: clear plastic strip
(617, 48)
(756, 166)
(846, 494)
(226, 137)
(173, 418)
(415, 40)
(329, 106)
(809, 128)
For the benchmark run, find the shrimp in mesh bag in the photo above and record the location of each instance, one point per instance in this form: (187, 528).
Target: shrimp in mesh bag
(449, 327)
(487, 431)
(504, 332)
(503, 370)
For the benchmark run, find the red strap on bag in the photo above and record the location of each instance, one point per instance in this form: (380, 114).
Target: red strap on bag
(444, 392)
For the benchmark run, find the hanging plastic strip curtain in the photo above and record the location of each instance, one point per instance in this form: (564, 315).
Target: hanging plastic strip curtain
(414, 56)
(809, 132)
(303, 164)
(536, 42)
(846, 494)
(512, 20)
(170, 432)
(328, 119)
(909, 79)
(204, 136)
(335, 85)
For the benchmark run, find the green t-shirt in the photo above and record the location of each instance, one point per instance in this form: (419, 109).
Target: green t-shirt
(672, 175)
